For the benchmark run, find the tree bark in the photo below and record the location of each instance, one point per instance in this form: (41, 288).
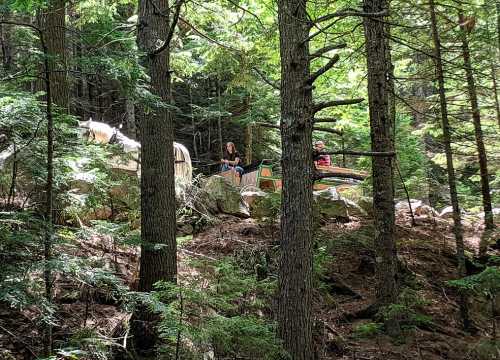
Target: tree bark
(497, 4)
(130, 118)
(248, 144)
(295, 275)
(5, 43)
(495, 92)
(457, 223)
(52, 23)
(158, 226)
(49, 190)
(478, 132)
(381, 125)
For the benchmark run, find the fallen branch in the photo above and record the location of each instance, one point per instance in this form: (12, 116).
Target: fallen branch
(192, 253)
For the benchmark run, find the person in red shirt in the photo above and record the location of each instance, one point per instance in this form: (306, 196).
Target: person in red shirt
(321, 160)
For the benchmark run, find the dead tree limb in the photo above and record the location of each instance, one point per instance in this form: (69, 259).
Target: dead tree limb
(323, 69)
(359, 153)
(326, 104)
(325, 120)
(350, 12)
(326, 49)
(266, 79)
(332, 131)
(342, 175)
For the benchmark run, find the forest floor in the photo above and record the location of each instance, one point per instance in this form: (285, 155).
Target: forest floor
(343, 328)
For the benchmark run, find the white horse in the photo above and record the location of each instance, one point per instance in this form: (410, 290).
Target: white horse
(104, 134)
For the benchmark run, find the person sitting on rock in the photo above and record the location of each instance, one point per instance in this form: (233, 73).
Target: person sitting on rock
(320, 160)
(231, 159)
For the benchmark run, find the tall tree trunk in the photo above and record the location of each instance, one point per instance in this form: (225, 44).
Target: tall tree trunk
(497, 3)
(130, 118)
(158, 227)
(49, 189)
(219, 122)
(478, 132)
(193, 124)
(381, 125)
(457, 223)
(52, 23)
(495, 92)
(248, 143)
(5, 43)
(295, 275)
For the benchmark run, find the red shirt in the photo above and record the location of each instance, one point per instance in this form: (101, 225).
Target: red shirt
(324, 160)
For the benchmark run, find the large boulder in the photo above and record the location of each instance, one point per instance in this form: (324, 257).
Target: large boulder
(418, 207)
(251, 196)
(354, 209)
(329, 204)
(447, 213)
(366, 203)
(225, 196)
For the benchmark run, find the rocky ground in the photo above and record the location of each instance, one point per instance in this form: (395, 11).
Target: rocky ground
(344, 327)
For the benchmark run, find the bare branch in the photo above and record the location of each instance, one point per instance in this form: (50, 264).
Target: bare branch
(266, 79)
(246, 11)
(332, 131)
(325, 120)
(31, 26)
(345, 13)
(319, 176)
(360, 153)
(326, 49)
(323, 105)
(171, 29)
(323, 69)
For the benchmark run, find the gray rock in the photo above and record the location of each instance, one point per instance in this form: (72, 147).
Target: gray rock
(227, 197)
(329, 204)
(249, 197)
(354, 209)
(366, 204)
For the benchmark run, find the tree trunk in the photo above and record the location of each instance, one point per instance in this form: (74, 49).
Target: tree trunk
(158, 227)
(497, 3)
(478, 132)
(219, 122)
(5, 42)
(130, 118)
(52, 23)
(295, 275)
(457, 223)
(248, 144)
(382, 141)
(49, 189)
(495, 92)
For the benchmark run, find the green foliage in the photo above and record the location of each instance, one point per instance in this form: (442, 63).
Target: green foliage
(486, 350)
(408, 310)
(485, 283)
(217, 314)
(368, 330)
(267, 209)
